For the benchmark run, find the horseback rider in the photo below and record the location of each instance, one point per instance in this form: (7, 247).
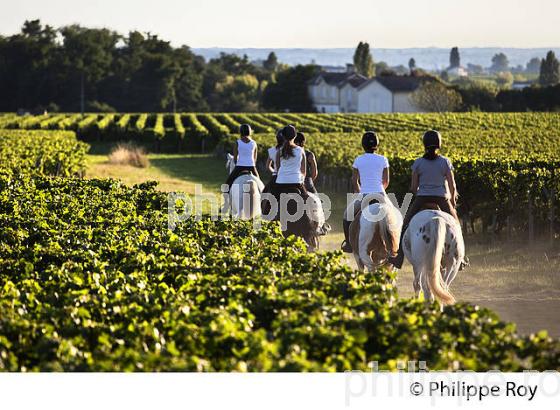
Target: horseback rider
(271, 160)
(433, 182)
(244, 155)
(311, 169)
(370, 175)
(290, 162)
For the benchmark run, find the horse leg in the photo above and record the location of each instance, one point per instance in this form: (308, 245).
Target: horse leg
(416, 282)
(428, 296)
(359, 262)
(367, 231)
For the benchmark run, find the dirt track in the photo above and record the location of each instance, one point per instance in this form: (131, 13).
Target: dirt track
(522, 285)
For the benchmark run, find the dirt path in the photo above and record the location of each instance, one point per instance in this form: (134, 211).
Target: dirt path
(521, 285)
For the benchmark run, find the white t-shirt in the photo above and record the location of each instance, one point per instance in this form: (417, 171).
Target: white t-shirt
(245, 151)
(371, 168)
(272, 156)
(290, 168)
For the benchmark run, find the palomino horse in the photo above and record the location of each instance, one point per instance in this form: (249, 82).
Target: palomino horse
(245, 194)
(433, 243)
(374, 235)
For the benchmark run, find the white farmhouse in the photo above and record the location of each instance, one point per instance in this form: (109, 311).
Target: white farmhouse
(325, 91)
(351, 92)
(458, 71)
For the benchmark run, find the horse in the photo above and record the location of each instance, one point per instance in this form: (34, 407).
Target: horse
(319, 225)
(374, 235)
(245, 194)
(434, 245)
(308, 223)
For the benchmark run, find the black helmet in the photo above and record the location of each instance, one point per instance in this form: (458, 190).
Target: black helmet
(432, 139)
(370, 141)
(289, 132)
(245, 130)
(279, 137)
(300, 139)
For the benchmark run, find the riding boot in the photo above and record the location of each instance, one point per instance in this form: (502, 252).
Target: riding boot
(346, 246)
(398, 260)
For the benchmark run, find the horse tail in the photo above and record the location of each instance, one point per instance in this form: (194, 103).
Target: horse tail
(390, 237)
(435, 253)
(255, 201)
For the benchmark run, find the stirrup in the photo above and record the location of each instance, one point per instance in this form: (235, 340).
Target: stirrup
(395, 261)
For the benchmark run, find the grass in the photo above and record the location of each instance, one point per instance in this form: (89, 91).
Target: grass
(174, 172)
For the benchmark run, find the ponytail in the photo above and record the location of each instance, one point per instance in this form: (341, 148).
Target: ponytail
(287, 150)
(289, 133)
(431, 153)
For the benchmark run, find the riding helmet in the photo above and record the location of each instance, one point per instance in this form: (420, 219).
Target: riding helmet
(432, 139)
(289, 132)
(279, 136)
(370, 141)
(245, 130)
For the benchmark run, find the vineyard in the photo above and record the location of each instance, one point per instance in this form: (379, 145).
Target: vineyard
(189, 130)
(92, 280)
(507, 165)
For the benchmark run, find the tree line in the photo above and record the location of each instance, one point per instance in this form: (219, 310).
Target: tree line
(77, 68)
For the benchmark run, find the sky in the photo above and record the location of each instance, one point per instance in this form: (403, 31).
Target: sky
(307, 23)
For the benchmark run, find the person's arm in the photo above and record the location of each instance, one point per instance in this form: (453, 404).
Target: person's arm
(452, 188)
(356, 180)
(386, 177)
(313, 166)
(255, 154)
(303, 165)
(277, 163)
(269, 164)
(235, 153)
(415, 182)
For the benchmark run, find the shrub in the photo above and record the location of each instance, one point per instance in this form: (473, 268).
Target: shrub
(129, 154)
(54, 153)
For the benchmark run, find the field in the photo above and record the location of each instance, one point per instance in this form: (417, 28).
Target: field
(91, 279)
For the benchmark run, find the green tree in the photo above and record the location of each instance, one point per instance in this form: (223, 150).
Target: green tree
(271, 62)
(363, 60)
(434, 96)
(500, 63)
(534, 65)
(504, 79)
(88, 57)
(290, 91)
(454, 58)
(550, 70)
(27, 67)
(412, 64)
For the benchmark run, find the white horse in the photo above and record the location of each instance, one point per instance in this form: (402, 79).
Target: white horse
(318, 221)
(245, 194)
(434, 245)
(374, 235)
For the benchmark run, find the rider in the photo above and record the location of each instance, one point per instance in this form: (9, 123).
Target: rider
(291, 164)
(311, 170)
(370, 175)
(433, 182)
(244, 155)
(272, 151)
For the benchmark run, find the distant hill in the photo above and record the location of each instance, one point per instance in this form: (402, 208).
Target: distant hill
(428, 58)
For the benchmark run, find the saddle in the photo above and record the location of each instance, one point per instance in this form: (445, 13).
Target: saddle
(430, 206)
(244, 172)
